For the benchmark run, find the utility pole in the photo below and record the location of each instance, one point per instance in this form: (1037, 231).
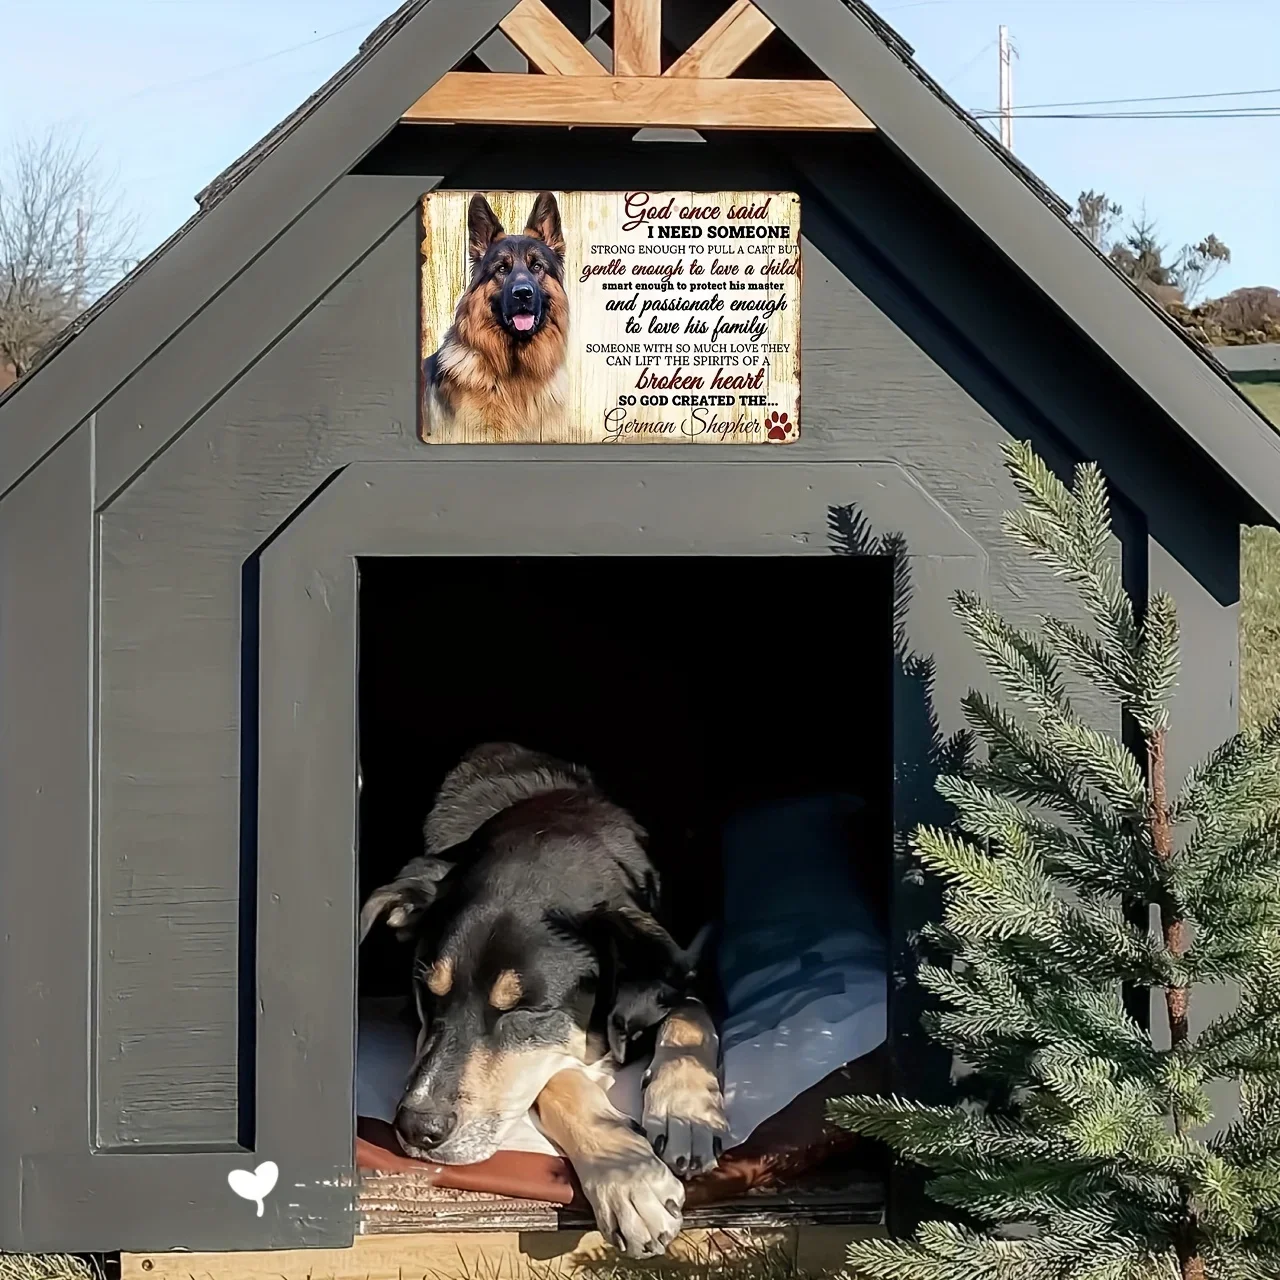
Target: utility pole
(1006, 90)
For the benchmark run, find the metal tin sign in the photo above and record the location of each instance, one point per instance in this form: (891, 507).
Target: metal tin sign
(622, 317)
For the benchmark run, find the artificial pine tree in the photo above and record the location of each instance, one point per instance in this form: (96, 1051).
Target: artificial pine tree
(1091, 1163)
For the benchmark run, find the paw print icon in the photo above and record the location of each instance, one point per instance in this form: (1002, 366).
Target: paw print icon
(779, 427)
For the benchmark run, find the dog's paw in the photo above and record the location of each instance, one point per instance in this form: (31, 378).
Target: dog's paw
(684, 1116)
(638, 1204)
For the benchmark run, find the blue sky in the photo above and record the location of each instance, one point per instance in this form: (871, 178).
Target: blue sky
(170, 91)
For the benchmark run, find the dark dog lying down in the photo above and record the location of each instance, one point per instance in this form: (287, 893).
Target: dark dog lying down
(526, 916)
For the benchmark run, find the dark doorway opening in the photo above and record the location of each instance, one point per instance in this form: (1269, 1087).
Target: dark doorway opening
(694, 688)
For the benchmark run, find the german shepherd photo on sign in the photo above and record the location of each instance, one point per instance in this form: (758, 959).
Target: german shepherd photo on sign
(499, 370)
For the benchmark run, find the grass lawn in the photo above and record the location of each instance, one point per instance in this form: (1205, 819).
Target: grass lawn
(55, 1266)
(1260, 596)
(1259, 624)
(1266, 395)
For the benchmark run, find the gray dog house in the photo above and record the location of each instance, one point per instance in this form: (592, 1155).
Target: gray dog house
(203, 471)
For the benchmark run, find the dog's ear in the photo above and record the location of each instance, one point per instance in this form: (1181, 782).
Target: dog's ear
(544, 222)
(639, 928)
(626, 933)
(579, 933)
(406, 898)
(483, 228)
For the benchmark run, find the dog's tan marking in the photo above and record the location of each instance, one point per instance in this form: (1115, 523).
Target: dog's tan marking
(502, 1083)
(507, 1083)
(440, 977)
(506, 990)
(681, 1030)
(636, 1199)
(578, 1115)
(684, 1087)
(495, 1090)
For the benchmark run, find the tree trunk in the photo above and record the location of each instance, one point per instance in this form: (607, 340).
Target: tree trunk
(1177, 999)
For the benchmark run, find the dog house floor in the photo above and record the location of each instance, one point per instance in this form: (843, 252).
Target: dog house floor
(392, 1204)
(702, 692)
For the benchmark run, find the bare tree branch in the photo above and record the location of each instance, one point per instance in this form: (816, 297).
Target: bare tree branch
(1096, 216)
(1142, 257)
(1197, 264)
(65, 237)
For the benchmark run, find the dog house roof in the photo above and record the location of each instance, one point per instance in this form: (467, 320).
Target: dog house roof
(256, 199)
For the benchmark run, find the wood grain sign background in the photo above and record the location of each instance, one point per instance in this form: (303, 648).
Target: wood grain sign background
(680, 310)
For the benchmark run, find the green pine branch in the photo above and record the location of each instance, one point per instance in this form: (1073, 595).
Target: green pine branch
(1097, 1250)
(1088, 1161)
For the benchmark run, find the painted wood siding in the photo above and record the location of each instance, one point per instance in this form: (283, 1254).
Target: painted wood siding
(291, 391)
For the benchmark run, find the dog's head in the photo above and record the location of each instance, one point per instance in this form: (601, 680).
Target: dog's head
(505, 999)
(519, 277)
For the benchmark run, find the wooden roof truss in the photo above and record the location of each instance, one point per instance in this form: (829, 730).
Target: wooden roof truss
(697, 91)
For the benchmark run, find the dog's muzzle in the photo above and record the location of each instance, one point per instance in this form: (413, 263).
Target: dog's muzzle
(524, 313)
(468, 1143)
(424, 1129)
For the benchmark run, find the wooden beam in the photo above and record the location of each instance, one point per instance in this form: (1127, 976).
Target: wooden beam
(467, 1252)
(637, 37)
(547, 42)
(726, 44)
(474, 97)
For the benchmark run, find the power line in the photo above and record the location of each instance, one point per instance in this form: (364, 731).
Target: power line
(1164, 97)
(1174, 113)
(1244, 113)
(1075, 4)
(968, 66)
(366, 25)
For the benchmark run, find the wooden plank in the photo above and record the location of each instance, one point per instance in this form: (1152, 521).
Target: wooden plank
(635, 101)
(510, 1254)
(637, 37)
(369, 1258)
(726, 45)
(46, 780)
(547, 42)
(400, 1203)
(410, 1203)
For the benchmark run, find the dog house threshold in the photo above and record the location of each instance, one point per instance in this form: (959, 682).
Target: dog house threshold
(393, 1204)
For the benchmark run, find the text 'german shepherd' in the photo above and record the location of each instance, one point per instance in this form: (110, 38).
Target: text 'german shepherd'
(526, 898)
(500, 370)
